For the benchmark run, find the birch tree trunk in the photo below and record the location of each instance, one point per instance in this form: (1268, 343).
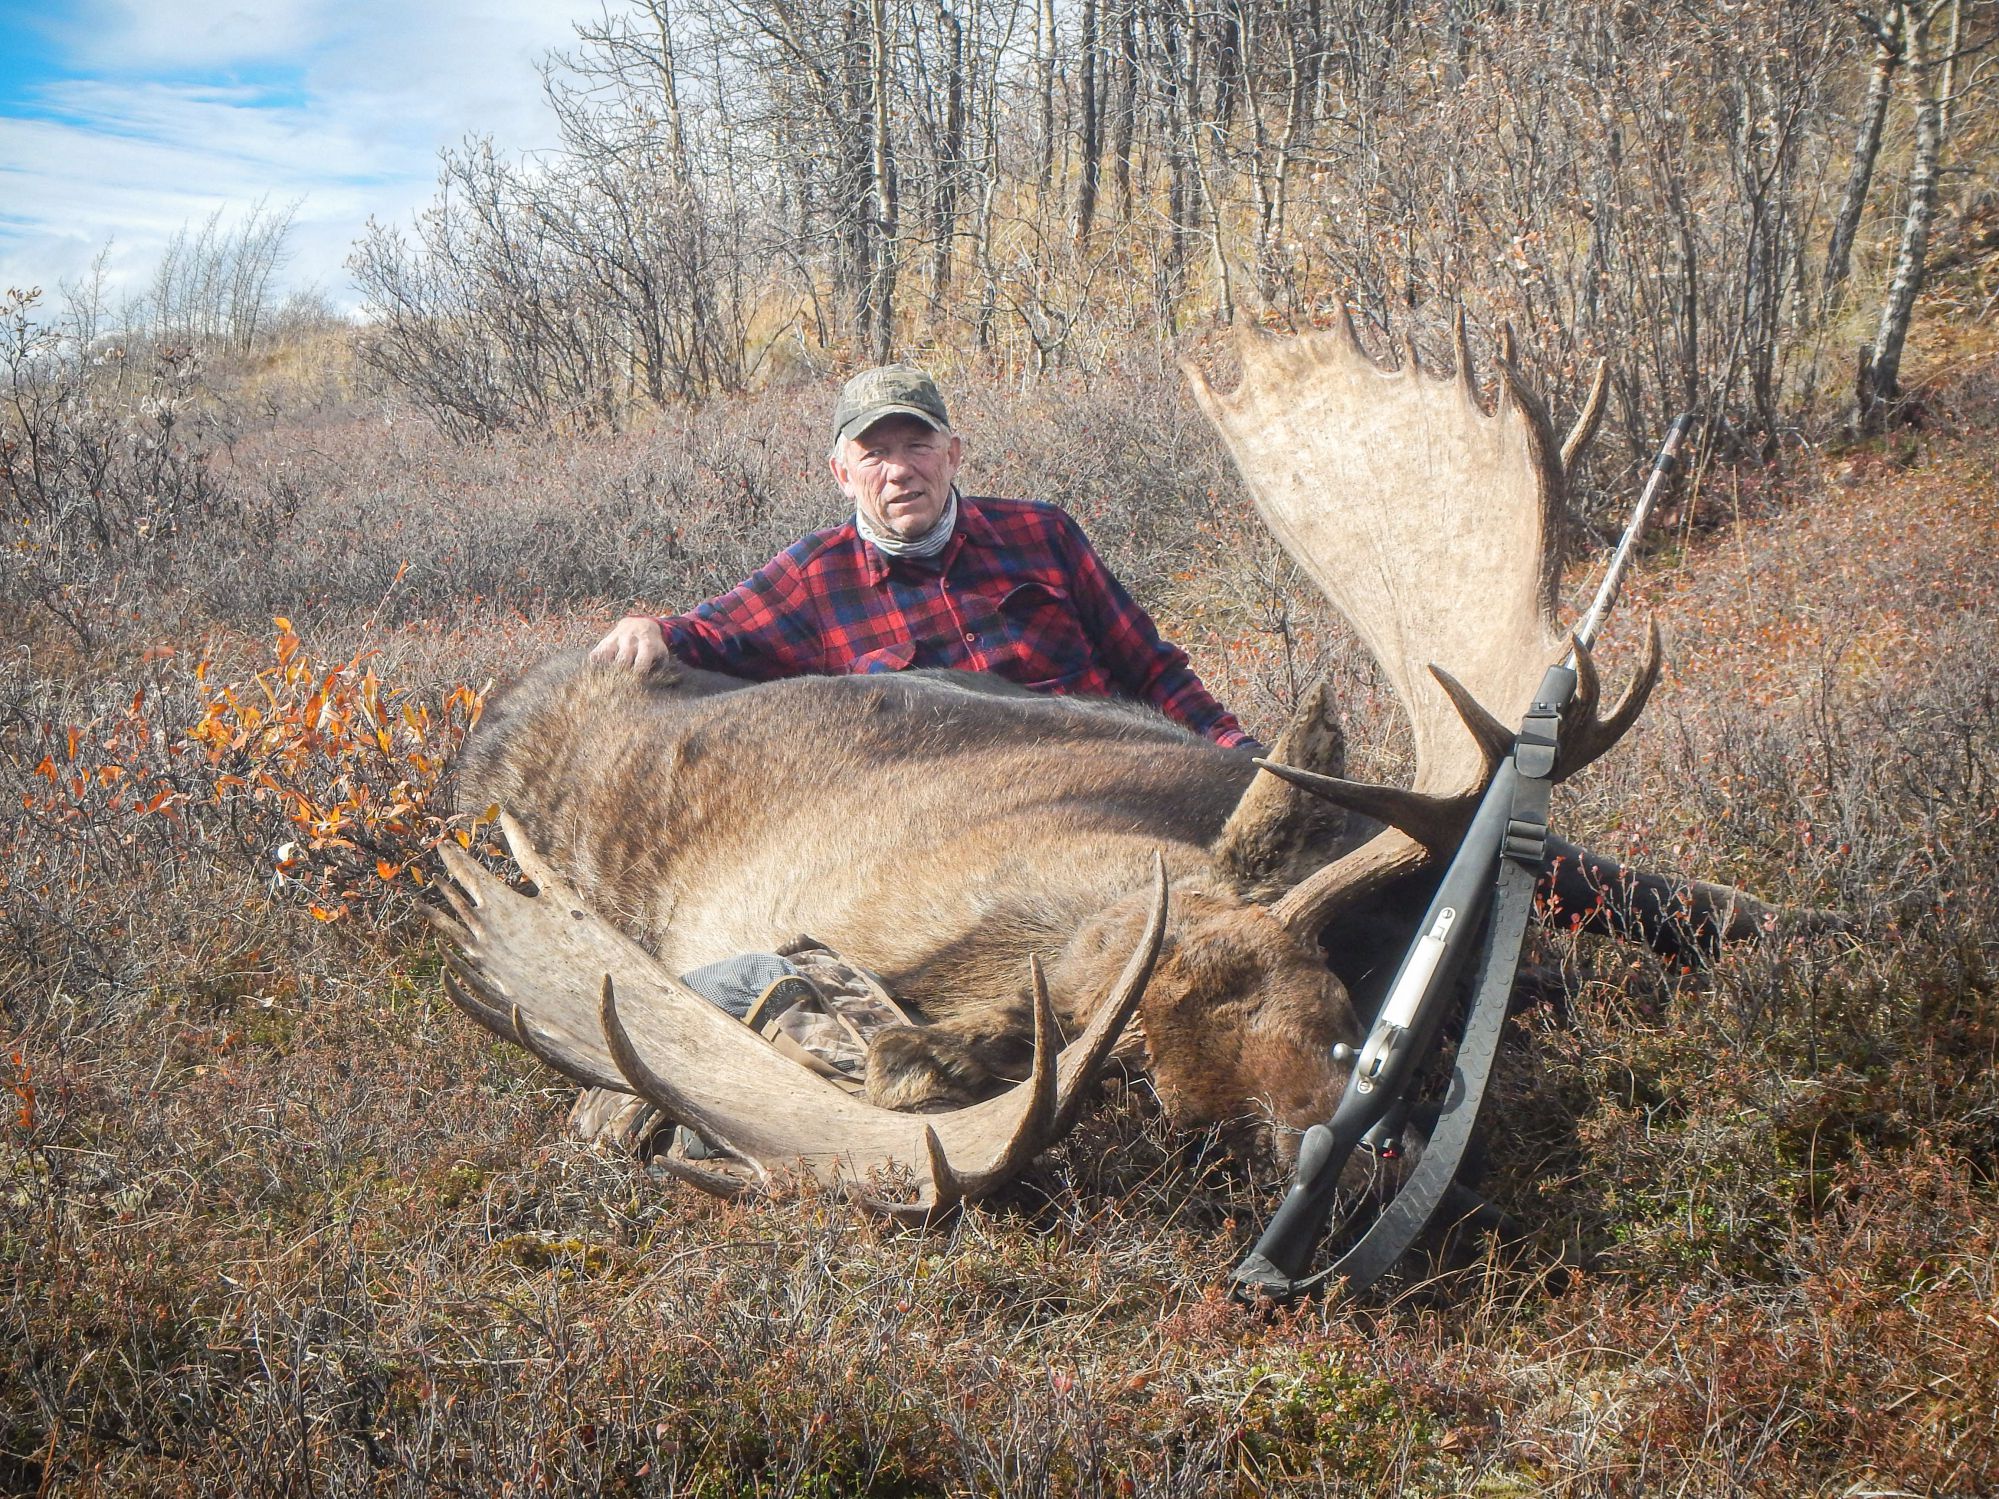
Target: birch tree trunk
(1951, 53)
(886, 249)
(1044, 45)
(1880, 380)
(1092, 128)
(1866, 150)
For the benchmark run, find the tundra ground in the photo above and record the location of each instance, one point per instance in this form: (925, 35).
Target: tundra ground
(275, 1218)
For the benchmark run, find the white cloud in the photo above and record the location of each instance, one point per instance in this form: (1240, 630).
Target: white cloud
(180, 107)
(151, 36)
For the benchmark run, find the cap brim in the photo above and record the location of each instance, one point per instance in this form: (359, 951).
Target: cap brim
(873, 414)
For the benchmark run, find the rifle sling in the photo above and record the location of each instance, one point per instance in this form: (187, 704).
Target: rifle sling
(1405, 1218)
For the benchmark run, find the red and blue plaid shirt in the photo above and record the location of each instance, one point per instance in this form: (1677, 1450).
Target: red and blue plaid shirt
(1019, 592)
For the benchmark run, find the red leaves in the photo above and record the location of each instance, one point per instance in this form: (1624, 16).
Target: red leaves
(20, 1084)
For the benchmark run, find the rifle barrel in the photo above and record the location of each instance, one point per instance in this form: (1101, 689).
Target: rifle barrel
(1620, 562)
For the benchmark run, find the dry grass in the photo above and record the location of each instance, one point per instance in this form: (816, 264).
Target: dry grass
(274, 1218)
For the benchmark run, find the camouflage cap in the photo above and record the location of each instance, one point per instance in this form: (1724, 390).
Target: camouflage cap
(892, 390)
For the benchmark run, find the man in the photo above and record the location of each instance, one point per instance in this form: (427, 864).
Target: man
(922, 575)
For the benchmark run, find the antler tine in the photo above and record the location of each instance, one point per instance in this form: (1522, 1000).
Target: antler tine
(1310, 904)
(1495, 740)
(1345, 325)
(1090, 1050)
(460, 904)
(1031, 1135)
(573, 1065)
(467, 872)
(458, 988)
(1032, 1132)
(941, 1194)
(640, 1078)
(456, 932)
(1461, 351)
(1436, 822)
(714, 1183)
(947, 1187)
(1058, 1083)
(1412, 358)
(1587, 421)
(1587, 739)
(1589, 683)
(528, 856)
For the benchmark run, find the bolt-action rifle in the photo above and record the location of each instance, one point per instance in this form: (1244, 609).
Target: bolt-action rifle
(1487, 895)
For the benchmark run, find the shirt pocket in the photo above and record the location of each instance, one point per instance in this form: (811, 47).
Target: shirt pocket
(1041, 643)
(893, 657)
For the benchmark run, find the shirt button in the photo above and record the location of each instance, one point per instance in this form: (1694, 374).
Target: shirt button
(970, 638)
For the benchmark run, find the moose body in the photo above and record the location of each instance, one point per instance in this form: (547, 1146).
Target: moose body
(939, 828)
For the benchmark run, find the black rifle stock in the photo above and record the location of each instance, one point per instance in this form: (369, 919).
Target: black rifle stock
(1509, 829)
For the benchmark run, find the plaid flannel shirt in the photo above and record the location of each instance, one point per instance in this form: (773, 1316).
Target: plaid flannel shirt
(1018, 592)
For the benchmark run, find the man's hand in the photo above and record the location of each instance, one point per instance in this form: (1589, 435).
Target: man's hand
(637, 642)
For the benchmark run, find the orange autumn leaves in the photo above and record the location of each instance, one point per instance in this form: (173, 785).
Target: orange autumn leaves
(355, 767)
(323, 773)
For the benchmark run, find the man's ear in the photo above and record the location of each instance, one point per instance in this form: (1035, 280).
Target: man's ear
(957, 452)
(839, 468)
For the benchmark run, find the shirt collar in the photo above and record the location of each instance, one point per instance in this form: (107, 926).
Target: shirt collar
(973, 528)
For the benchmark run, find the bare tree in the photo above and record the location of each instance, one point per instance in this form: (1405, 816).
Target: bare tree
(1881, 362)
(212, 287)
(83, 302)
(1066, 176)
(1886, 33)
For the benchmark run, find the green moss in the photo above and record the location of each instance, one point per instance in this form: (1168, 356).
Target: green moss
(534, 1252)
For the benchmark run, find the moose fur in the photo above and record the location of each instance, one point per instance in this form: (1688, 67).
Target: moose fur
(940, 828)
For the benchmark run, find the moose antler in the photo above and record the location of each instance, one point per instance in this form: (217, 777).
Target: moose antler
(1431, 526)
(601, 1010)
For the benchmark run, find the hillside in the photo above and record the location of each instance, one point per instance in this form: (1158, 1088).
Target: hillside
(274, 1217)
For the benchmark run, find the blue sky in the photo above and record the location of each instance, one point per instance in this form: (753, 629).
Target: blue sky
(122, 120)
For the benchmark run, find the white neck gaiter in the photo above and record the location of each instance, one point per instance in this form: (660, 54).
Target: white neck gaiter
(930, 544)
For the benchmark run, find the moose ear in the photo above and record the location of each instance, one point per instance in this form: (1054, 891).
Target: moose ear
(1278, 833)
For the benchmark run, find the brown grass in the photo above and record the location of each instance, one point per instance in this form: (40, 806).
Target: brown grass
(273, 1218)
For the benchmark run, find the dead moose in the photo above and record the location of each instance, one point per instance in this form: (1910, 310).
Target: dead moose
(1024, 869)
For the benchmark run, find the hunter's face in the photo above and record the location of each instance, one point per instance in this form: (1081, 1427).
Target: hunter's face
(898, 473)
